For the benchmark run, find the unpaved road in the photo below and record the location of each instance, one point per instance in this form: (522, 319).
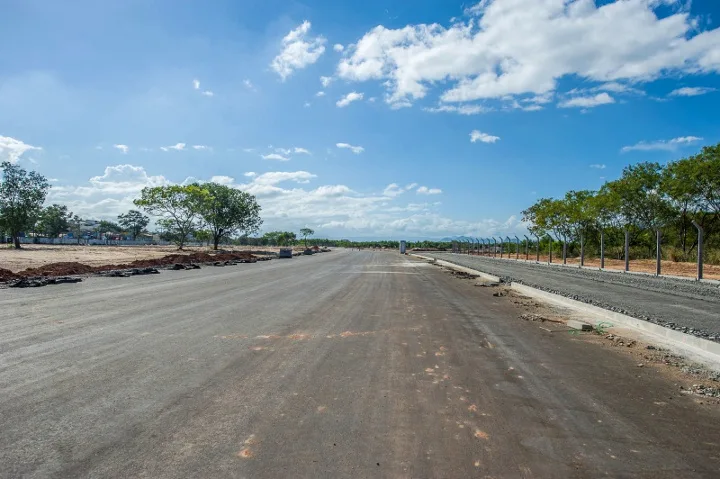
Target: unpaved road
(347, 364)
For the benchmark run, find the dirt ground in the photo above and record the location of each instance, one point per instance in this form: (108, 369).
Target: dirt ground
(641, 265)
(34, 256)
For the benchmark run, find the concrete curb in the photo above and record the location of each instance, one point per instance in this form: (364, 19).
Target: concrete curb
(456, 267)
(697, 349)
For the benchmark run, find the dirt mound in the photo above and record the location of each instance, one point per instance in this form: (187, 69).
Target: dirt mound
(7, 275)
(72, 268)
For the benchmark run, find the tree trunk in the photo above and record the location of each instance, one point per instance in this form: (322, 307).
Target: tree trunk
(16, 239)
(216, 241)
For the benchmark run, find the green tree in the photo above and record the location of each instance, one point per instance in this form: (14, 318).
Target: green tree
(228, 211)
(53, 220)
(134, 221)
(109, 227)
(279, 238)
(203, 236)
(305, 232)
(22, 195)
(178, 206)
(75, 225)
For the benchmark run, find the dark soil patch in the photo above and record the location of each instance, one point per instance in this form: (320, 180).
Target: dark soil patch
(72, 268)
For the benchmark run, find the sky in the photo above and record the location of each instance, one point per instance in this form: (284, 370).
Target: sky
(359, 119)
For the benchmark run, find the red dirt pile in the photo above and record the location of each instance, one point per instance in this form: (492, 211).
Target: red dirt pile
(72, 268)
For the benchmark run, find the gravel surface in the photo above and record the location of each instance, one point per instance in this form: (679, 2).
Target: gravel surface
(687, 306)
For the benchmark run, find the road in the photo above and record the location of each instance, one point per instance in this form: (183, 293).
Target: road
(345, 364)
(680, 304)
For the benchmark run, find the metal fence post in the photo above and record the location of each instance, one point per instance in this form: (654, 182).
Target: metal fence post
(537, 249)
(658, 252)
(700, 233)
(501, 247)
(550, 250)
(602, 249)
(627, 250)
(527, 248)
(564, 250)
(494, 247)
(517, 247)
(582, 251)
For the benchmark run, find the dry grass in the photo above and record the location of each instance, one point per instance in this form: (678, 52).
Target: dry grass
(32, 256)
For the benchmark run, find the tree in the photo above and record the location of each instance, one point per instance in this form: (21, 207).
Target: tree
(203, 236)
(305, 232)
(75, 224)
(22, 195)
(53, 220)
(178, 206)
(109, 227)
(279, 238)
(228, 211)
(134, 221)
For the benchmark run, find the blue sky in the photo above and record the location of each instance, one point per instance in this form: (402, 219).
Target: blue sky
(108, 97)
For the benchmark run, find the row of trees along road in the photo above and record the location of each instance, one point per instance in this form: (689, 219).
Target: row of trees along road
(182, 210)
(647, 197)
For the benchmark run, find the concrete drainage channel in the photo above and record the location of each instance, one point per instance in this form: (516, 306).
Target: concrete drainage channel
(697, 349)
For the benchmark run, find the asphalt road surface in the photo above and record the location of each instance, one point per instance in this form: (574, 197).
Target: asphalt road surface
(679, 304)
(345, 364)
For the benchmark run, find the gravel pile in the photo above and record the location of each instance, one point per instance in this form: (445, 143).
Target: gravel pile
(686, 306)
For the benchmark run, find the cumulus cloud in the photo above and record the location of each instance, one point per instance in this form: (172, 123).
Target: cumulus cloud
(12, 149)
(275, 156)
(355, 149)
(692, 91)
(207, 93)
(320, 93)
(248, 84)
(201, 147)
(424, 190)
(301, 151)
(519, 47)
(587, 101)
(326, 81)
(349, 98)
(123, 148)
(393, 189)
(666, 145)
(196, 84)
(176, 147)
(598, 166)
(461, 109)
(477, 135)
(299, 50)
(338, 47)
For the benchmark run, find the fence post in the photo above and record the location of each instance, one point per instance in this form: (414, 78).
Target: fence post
(627, 250)
(658, 252)
(564, 249)
(527, 248)
(582, 251)
(602, 249)
(501, 247)
(699, 250)
(494, 247)
(517, 248)
(537, 249)
(550, 250)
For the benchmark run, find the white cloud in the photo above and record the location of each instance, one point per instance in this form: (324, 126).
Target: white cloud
(692, 91)
(306, 104)
(349, 98)
(320, 93)
(617, 87)
(393, 189)
(326, 81)
(587, 101)
(250, 174)
(338, 47)
(275, 156)
(462, 109)
(300, 151)
(176, 147)
(12, 149)
(123, 148)
(355, 149)
(298, 51)
(666, 145)
(222, 180)
(477, 135)
(424, 190)
(196, 84)
(516, 47)
(598, 166)
(201, 147)
(207, 93)
(248, 84)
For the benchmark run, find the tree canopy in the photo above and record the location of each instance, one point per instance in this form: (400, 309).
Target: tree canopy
(134, 221)
(54, 220)
(22, 195)
(178, 206)
(227, 212)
